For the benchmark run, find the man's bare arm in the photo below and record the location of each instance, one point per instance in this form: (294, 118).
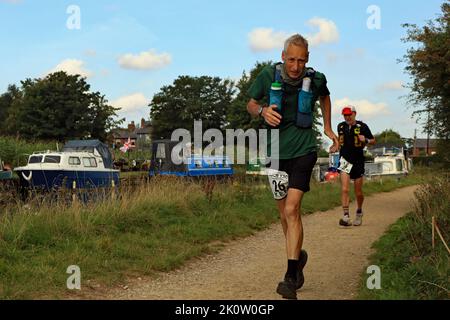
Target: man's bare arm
(325, 106)
(268, 112)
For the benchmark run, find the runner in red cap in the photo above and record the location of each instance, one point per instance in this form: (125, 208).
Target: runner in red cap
(354, 135)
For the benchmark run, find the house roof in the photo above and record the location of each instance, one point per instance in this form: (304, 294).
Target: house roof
(145, 130)
(422, 143)
(123, 134)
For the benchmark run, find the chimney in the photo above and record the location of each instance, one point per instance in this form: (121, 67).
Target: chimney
(142, 123)
(131, 126)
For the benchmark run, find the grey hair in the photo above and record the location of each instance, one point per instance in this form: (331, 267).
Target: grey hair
(296, 40)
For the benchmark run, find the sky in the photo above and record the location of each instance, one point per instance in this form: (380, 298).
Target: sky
(129, 50)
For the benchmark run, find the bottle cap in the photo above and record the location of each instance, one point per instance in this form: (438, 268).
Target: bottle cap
(276, 86)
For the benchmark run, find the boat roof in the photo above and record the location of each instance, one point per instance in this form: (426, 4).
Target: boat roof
(90, 145)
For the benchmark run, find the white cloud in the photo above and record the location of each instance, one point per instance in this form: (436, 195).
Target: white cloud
(73, 67)
(147, 60)
(364, 108)
(392, 85)
(266, 39)
(328, 32)
(132, 102)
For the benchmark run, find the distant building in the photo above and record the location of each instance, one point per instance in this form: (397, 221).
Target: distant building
(420, 147)
(140, 137)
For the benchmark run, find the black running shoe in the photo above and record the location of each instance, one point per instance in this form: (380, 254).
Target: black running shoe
(288, 288)
(301, 264)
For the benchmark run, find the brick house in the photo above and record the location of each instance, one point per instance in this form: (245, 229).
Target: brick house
(420, 147)
(140, 137)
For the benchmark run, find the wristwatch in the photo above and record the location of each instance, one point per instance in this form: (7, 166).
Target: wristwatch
(260, 110)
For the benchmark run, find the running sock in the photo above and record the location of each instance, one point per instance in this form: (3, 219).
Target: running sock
(346, 211)
(292, 269)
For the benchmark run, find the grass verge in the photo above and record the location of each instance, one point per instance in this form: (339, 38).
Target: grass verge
(410, 268)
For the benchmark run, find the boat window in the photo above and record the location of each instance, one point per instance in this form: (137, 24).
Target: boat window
(161, 151)
(74, 161)
(52, 159)
(388, 167)
(35, 159)
(399, 165)
(89, 162)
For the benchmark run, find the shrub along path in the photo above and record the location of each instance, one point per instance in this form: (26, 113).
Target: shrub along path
(250, 268)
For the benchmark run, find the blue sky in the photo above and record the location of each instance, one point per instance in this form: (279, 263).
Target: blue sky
(130, 49)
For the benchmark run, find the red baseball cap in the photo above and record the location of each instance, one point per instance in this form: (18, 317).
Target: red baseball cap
(348, 110)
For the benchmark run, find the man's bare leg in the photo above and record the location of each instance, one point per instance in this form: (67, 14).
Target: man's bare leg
(358, 192)
(289, 209)
(359, 199)
(345, 199)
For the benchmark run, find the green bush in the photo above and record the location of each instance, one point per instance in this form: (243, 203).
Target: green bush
(15, 151)
(411, 268)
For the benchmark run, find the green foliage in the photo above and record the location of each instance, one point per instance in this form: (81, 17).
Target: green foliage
(429, 66)
(58, 107)
(8, 101)
(237, 115)
(411, 268)
(390, 137)
(188, 99)
(15, 151)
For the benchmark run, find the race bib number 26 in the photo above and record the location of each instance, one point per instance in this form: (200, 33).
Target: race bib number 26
(279, 183)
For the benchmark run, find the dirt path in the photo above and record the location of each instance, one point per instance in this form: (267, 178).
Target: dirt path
(250, 268)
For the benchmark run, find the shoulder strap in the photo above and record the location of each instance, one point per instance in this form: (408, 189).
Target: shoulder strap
(310, 72)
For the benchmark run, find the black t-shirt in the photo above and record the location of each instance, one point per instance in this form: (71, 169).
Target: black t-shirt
(351, 147)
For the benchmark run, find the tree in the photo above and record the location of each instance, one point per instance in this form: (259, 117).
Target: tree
(390, 137)
(237, 115)
(60, 107)
(429, 66)
(7, 100)
(188, 99)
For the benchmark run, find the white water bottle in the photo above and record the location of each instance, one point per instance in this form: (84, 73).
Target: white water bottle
(306, 84)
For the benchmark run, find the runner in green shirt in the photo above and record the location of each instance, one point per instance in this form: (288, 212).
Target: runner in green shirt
(297, 152)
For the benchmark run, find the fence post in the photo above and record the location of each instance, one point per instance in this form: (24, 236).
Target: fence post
(113, 193)
(433, 222)
(74, 192)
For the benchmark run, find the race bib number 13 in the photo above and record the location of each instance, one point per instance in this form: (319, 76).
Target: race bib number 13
(345, 166)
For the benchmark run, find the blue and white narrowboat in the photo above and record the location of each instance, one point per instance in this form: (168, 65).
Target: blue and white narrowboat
(190, 166)
(80, 164)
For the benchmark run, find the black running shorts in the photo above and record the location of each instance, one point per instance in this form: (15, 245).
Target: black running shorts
(357, 171)
(299, 172)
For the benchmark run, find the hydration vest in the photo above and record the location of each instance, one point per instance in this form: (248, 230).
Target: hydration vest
(303, 119)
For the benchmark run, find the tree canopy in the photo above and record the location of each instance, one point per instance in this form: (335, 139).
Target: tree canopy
(429, 66)
(390, 137)
(188, 99)
(59, 106)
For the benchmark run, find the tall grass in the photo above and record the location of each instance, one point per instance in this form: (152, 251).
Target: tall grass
(411, 268)
(146, 227)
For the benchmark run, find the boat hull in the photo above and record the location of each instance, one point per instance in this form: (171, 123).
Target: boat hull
(54, 179)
